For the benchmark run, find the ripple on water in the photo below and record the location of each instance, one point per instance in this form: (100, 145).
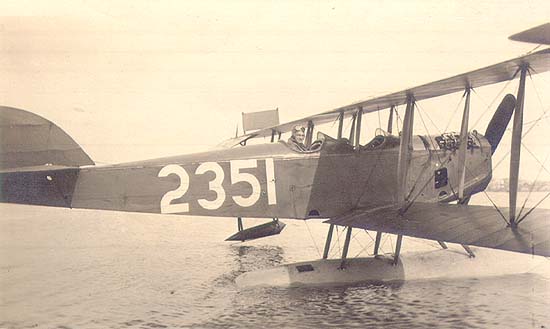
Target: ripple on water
(83, 269)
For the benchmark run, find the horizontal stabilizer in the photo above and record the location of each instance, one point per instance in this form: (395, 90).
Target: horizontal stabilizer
(480, 226)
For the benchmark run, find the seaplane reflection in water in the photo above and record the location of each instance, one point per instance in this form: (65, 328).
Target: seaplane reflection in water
(399, 183)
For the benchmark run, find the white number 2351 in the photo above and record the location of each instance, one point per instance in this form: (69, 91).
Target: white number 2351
(215, 185)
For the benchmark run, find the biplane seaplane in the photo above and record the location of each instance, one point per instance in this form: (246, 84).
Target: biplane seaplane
(398, 183)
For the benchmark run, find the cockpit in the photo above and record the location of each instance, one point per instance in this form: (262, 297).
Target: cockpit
(382, 140)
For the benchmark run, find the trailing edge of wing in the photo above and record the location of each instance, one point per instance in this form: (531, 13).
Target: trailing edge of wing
(538, 62)
(480, 226)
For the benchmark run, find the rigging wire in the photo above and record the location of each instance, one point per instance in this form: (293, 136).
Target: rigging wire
(428, 116)
(398, 119)
(451, 187)
(490, 105)
(434, 146)
(454, 113)
(363, 248)
(538, 96)
(490, 200)
(338, 242)
(531, 210)
(314, 243)
(532, 187)
(534, 122)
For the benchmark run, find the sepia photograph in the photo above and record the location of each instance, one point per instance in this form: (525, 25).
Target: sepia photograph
(274, 164)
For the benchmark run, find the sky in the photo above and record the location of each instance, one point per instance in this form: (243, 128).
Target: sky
(134, 79)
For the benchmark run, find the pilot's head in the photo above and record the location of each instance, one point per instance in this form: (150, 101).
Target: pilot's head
(298, 133)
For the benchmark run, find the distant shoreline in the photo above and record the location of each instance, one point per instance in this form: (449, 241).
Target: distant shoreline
(502, 185)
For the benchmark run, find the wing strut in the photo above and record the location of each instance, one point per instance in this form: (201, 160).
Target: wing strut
(309, 133)
(405, 152)
(516, 146)
(390, 130)
(390, 120)
(340, 124)
(358, 127)
(352, 129)
(377, 242)
(463, 145)
(403, 165)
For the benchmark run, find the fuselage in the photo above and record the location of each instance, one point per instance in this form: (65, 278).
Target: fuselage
(265, 180)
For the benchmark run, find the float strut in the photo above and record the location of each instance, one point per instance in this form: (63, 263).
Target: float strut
(377, 242)
(346, 247)
(327, 243)
(469, 251)
(397, 249)
(239, 224)
(442, 244)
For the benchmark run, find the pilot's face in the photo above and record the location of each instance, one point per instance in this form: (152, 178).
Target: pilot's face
(299, 136)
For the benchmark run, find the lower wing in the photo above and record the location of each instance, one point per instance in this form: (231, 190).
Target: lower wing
(481, 226)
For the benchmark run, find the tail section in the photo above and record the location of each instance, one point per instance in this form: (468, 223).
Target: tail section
(38, 161)
(28, 140)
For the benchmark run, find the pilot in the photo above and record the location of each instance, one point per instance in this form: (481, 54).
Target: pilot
(296, 141)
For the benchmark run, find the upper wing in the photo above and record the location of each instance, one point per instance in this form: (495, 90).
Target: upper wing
(538, 62)
(479, 226)
(539, 34)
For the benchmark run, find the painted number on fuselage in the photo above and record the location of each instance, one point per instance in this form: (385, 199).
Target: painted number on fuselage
(216, 185)
(166, 206)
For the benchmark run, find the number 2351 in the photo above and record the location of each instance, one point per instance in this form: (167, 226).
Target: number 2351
(215, 185)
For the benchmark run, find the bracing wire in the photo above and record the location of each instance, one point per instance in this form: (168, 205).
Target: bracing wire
(334, 252)
(363, 248)
(534, 123)
(490, 105)
(532, 187)
(533, 208)
(433, 124)
(454, 113)
(397, 120)
(314, 243)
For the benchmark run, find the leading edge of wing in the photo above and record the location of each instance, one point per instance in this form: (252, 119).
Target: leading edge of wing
(538, 62)
(480, 226)
(538, 35)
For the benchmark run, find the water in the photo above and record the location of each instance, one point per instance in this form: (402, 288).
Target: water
(63, 268)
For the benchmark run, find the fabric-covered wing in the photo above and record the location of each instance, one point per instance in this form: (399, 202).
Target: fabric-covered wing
(480, 226)
(539, 62)
(539, 34)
